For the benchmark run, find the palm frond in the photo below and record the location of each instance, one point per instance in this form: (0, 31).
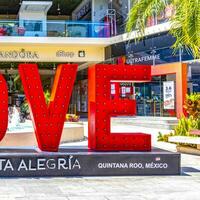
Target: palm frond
(186, 26)
(185, 22)
(141, 11)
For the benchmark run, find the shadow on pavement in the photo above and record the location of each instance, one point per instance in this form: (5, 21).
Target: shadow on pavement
(185, 170)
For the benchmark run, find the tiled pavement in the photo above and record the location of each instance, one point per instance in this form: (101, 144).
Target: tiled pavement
(183, 187)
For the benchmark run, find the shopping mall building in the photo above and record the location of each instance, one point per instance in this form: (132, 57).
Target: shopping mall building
(87, 32)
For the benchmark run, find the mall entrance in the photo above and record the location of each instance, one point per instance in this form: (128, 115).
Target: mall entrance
(150, 97)
(164, 96)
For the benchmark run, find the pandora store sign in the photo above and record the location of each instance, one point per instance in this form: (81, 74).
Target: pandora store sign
(19, 54)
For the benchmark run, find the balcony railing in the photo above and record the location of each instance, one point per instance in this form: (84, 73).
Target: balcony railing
(39, 28)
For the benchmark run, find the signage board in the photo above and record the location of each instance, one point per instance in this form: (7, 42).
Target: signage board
(140, 58)
(80, 162)
(168, 95)
(51, 54)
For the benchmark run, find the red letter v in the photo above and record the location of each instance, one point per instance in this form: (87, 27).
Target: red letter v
(3, 107)
(48, 120)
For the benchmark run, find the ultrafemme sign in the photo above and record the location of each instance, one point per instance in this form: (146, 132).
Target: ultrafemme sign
(49, 119)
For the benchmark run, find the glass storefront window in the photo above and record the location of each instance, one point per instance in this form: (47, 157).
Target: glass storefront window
(153, 57)
(31, 25)
(166, 14)
(194, 77)
(152, 51)
(166, 55)
(149, 97)
(121, 8)
(79, 100)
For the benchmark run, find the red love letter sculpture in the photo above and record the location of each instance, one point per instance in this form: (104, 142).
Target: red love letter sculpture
(101, 108)
(49, 119)
(3, 107)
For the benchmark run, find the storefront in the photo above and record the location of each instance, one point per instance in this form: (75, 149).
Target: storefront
(150, 97)
(15, 89)
(48, 57)
(156, 51)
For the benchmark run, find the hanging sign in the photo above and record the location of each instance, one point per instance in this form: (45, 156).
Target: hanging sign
(168, 94)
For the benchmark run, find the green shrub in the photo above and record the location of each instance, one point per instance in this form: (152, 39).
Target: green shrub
(163, 137)
(24, 108)
(185, 125)
(47, 96)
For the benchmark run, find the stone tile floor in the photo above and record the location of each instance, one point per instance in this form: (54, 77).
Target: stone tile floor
(184, 187)
(103, 188)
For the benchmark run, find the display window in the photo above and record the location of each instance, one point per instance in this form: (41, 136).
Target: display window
(122, 90)
(151, 97)
(79, 100)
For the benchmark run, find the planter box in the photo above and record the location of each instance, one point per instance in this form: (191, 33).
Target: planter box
(188, 150)
(186, 140)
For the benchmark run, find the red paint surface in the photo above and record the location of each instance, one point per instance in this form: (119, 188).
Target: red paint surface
(3, 107)
(48, 120)
(102, 108)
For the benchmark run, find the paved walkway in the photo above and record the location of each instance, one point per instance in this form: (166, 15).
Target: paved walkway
(184, 187)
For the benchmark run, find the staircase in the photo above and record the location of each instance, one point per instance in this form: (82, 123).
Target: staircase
(167, 123)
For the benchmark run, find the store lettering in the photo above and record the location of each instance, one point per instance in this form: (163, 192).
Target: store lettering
(22, 54)
(130, 165)
(48, 120)
(40, 164)
(132, 60)
(62, 53)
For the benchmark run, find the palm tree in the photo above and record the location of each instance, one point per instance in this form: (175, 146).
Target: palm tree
(185, 23)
